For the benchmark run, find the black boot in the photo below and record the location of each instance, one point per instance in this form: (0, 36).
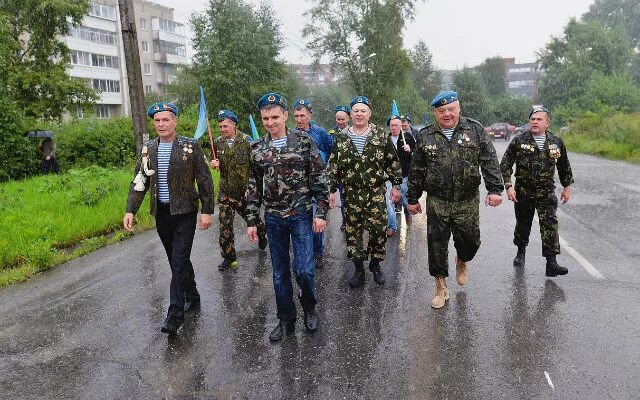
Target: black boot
(519, 260)
(553, 269)
(262, 243)
(311, 320)
(283, 328)
(357, 279)
(378, 276)
(226, 264)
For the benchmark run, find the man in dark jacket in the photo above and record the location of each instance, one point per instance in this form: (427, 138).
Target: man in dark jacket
(537, 153)
(168, 168)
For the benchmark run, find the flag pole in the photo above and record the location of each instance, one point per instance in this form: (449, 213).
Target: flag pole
(213, 150)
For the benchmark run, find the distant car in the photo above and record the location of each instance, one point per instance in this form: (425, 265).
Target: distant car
(500, 130)
(523, 128)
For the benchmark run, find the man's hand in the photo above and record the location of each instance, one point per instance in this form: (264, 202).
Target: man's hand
(414, 209)
(47, 158)
(205, 221)
(395, 196)
(332, 200)
(493, 200)
(406, 148)
(565, 195)
(215, 164)
(319, 225)
(252, 233)
(511, 194)
(127, 222)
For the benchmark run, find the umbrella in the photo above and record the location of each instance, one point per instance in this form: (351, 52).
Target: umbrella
(39, 134)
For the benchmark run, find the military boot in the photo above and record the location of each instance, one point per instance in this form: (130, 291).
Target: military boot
(442, 293)
(519, 260)
(462, 273)
(553, 269)
(378, 276)
(357, 279)
(227, 263)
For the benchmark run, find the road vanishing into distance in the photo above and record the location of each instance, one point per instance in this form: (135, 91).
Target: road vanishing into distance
(89, 329)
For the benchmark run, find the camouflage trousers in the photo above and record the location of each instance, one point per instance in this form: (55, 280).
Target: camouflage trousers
(546, 205)
(459, 219)
(365, 209)
(227, 208)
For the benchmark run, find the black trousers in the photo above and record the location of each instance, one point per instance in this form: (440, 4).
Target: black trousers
(176, 233)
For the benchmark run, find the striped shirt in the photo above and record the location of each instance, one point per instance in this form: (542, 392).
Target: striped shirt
(540, 141)
(448, 133)
(279, 143)
(164, 155)
(359, 140)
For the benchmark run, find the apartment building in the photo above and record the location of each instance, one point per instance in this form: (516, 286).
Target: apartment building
(97, 53)
(522, 78)
(316, 75)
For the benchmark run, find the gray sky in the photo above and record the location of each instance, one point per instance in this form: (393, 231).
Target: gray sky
(458, 33)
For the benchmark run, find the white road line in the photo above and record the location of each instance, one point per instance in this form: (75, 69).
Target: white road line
(635, 188)
(580, 259)
(546, 375)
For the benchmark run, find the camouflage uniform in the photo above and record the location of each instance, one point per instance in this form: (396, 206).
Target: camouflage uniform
(449, 171)
(535, 188)
(234, 174)
(364, 177)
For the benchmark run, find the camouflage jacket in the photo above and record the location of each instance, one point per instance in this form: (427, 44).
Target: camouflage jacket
(450, 170)
(234, 165)
(377, 164)
(535, 169)
(187, 166)
(292, 175)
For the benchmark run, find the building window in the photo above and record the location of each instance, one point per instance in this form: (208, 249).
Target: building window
(80, 57)
(106, 85)
(171, 26)
(102, 11)
(147, 89)
(170, 48)
(145, 46)
(93, 35)
(99, 60)
(102, 111)
(143, 24)
(147, 69)
(79, 113)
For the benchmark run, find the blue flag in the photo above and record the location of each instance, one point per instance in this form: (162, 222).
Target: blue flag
(202, 117)
(394, 109)
(254, 130)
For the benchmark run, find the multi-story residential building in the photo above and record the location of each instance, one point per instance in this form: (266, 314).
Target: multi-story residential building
(97, 54)
(522, 78)
(316, 75)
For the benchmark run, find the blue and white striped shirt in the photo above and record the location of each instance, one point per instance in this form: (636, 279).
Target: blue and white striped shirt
(164, 155)
(448, 133)
(540, 141)
(279, 143)
(359, 140)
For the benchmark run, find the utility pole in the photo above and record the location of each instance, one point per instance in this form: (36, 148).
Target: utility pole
(134, 74)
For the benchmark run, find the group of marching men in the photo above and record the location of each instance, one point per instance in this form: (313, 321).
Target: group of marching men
(295, 174)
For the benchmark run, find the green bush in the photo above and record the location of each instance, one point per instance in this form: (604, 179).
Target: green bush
(18, 155)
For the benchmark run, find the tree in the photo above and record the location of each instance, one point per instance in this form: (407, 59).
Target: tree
(613, 13)
(425, 77)
(36, 78)
(474, 98)
(494, 74)
(236, 56)
(511, 108)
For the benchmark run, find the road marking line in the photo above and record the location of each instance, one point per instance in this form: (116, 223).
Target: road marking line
(546, 374)
(580, 259)
(635, 188)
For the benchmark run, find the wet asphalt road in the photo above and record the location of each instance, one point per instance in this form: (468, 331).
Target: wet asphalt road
(90, 328)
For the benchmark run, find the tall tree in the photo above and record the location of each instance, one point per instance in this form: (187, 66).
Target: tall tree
(494, 74)
(425, 76)
(474, 98)
(36, 78)
(236, 55)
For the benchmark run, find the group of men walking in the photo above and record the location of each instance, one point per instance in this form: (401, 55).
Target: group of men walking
(295, 174)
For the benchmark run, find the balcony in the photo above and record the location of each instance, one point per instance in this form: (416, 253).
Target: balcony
(169, 37)
(165, 78)
(168, 58)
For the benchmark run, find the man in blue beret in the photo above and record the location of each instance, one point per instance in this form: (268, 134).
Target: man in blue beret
(303, 113)
(342, 122)
(293, 172)
(169, 168)
(447, 163)
(233, 150)
(536, 154)
(363, 158)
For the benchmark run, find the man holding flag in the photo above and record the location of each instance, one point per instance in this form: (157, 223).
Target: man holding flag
(233, 152)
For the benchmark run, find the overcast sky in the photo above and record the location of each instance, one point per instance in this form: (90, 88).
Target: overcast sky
(459, 33)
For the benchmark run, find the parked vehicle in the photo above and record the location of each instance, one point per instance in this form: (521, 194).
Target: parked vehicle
(500, 130)
(523, 128)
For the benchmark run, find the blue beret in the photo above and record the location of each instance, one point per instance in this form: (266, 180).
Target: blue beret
(342, 108)
(162, 106)
(444, 98)
(536, 109)
(304, 103)
(224, 114)
(360, 100)
(406, 118)
(391, 118)
(272, 98)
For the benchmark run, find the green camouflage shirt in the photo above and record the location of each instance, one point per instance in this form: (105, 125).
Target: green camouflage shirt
(377, 164)
(234, 165)
(450, 170)
(535, 169)
(293, 175)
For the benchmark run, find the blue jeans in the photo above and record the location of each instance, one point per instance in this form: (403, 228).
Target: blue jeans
(318, 238)
(391, 211)
(298, 228)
